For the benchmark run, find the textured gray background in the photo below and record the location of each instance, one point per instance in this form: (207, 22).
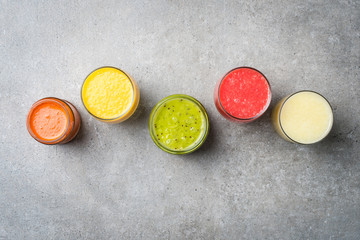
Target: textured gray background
(113, 182)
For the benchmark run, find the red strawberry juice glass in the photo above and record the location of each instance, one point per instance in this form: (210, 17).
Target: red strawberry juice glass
(242, 95)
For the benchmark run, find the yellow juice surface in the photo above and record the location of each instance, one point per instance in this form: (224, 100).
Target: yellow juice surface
(108, 93)
(306, 117)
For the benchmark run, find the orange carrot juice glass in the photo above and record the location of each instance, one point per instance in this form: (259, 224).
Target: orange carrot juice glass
(53, 121)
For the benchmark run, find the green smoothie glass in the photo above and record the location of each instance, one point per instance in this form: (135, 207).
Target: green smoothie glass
(179, 124)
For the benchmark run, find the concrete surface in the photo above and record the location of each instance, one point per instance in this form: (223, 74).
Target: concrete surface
(112, 182)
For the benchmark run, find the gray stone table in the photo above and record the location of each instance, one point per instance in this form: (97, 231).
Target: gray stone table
(112, 182)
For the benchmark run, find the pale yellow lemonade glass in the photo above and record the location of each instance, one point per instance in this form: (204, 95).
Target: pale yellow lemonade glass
(304, 117)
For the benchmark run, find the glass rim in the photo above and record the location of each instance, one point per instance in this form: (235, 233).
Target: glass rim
(282, 105)
(244, 119)
(126, 111)
(59, 102)
(202, 138)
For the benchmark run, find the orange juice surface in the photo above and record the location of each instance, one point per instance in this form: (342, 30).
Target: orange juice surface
(48, 121)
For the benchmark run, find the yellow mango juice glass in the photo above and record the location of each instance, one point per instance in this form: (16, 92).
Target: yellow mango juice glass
(110, 95)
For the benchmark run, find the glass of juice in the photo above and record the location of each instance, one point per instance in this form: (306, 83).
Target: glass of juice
(110, 94)
(304, 117)
(179, 124)
(53, 121)
(242, 95)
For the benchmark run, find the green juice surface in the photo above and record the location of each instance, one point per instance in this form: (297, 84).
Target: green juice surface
(179, 124)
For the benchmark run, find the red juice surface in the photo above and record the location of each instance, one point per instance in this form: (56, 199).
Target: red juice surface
(244, 93)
